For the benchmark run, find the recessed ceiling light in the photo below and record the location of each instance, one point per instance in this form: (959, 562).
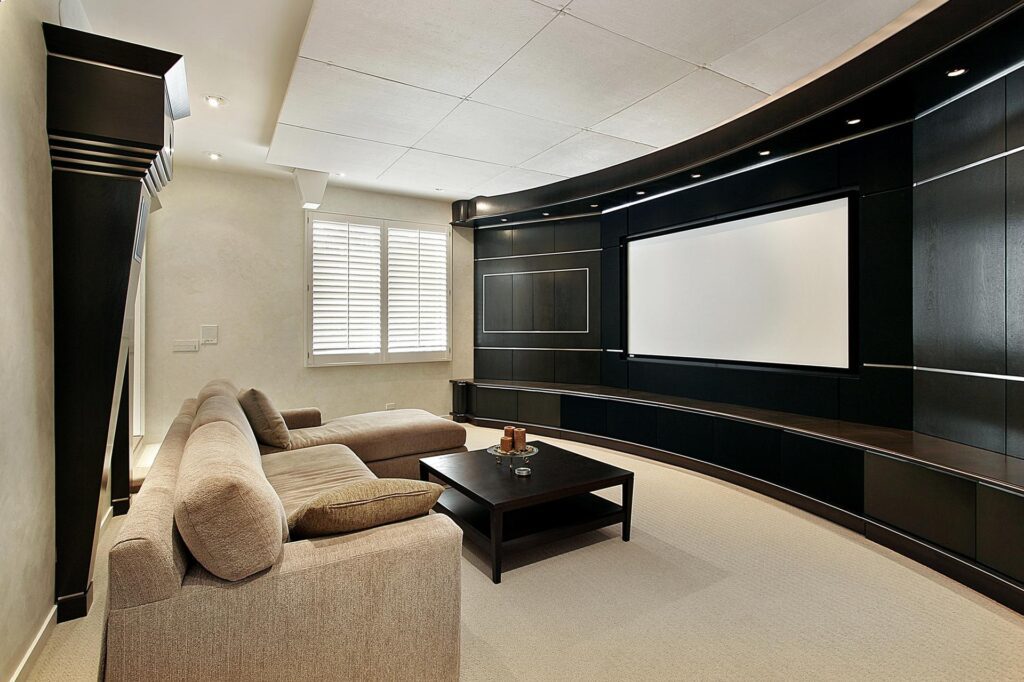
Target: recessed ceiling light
(545, 214)
(215, 101)
(694, 175)
(594, 205)
(214, 156)
(640, 192)
(504, 220)
(764, 152)
(959, 71)
(852, 121)
(338, 175)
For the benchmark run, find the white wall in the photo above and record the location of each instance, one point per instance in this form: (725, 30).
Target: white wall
(229, 249)
(26, 334)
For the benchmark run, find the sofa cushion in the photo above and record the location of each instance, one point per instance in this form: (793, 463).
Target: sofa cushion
(359, 505)
(383, 435)
(298, 475)
(225, 408)
(216, 387)
(267, 422)
(225, 509)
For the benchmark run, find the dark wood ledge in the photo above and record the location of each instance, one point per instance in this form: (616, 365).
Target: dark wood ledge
(963, 460)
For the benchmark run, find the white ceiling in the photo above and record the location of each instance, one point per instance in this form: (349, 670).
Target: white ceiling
(456, 98)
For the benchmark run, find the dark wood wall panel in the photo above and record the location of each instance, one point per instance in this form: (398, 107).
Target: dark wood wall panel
(614, 370)
(491, 363)
(496, 293)
(533, 239)
(533, 365)
(492, 243)
(879, 162)
(878, 395)
(614, 226)
(1015, 109)
(1001, 531)
(932, 505)
(577, 367)
(966, 130)
(1015, 264)
(825, 471)
(611, 299)
(966, 409)
(1015, 419)
(885, 268)
(578, 235)
(960, 271)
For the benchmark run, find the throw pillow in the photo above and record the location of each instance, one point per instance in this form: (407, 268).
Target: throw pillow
(358, 505)
(267, 422)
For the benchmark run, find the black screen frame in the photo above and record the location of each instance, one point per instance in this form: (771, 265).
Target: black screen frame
(853, 283)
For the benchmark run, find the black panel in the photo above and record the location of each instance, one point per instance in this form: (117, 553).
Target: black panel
(571, 301)
(578, 235)
(1015, 264)
(959, 271)
(495, 403)
(685, 433)
(492, 364)
(825, 471)
(929, 504)
(749, 449)
(886, 265)
(878, 162)
(577, 367)
(786, 180)
(877, 395)
(611, 303)
(539, 408)
(633, 423)
(522, 301)
(493, 243)
(497, 303)
(533, 239)
(1015, 109)
(1015, 419)
(586, 415)
(533, 365)
(1001, 531)
(613, 227)
(964, 131)
(614, 370)
(543, 301)
(966, 409)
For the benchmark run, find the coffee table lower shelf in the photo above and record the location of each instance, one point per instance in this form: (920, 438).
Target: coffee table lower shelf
(528, 526)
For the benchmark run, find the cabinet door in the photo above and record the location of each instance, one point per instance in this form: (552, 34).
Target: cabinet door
(633, 423)
(826, 471)
(747, 448)
(539, 408)
(586, 415)
(686, 433)
(1001, 531)
(496, 403)
(930, 504)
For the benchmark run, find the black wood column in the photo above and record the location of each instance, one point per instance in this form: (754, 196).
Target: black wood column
(110, 112)
(120, 456)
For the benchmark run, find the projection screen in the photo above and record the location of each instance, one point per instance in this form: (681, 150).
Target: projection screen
(772, 288)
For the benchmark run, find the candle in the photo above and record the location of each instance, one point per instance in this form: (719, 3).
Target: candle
(520, 439)
(506, 443)
(509, 430)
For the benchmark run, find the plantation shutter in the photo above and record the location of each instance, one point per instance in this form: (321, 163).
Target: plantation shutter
(417, 290)
(345, 291)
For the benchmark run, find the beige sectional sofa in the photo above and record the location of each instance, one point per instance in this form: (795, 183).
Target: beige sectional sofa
(379, 604)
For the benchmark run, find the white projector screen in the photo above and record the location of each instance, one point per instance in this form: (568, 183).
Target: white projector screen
(773, 288)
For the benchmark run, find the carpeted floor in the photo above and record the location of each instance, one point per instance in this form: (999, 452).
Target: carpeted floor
(716, 583)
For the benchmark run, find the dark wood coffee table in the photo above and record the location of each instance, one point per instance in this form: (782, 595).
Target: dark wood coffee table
(498, 510)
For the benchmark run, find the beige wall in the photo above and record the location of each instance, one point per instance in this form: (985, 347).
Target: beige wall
(26, 334)
(229, 249)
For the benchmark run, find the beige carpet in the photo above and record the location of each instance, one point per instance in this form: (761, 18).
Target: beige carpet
(717, 583)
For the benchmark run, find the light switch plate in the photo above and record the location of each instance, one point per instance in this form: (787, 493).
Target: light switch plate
(208, 334)
(186, 345)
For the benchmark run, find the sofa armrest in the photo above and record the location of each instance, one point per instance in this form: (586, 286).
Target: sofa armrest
(379, 604)
(302, 418)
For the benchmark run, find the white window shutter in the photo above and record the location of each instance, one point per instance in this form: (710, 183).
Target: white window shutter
(417, 290)
(345, 289)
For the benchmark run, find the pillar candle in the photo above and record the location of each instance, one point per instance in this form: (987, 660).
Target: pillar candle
(506, 443)
(509, 430)
(520, 439)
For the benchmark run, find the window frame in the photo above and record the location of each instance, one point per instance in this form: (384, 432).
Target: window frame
(384, 356)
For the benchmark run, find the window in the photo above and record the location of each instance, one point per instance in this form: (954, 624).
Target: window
(378, 291)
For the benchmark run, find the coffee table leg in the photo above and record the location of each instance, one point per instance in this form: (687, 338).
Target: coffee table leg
(496, 534)
(627, 508)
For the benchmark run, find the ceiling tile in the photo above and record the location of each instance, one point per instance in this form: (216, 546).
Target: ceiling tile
(699, 31)
(585, 152)
(315, 150)
(579, 74)
(487, 133)
(446, 45)
(337, 100)
(701, 100)
(808, 42)
(514, 180)
(427, 170)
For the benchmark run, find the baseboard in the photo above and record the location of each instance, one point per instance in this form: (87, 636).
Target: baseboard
(36, 647)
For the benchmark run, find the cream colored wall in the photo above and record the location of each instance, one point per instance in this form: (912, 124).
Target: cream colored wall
(26, 334)
(229, 249)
